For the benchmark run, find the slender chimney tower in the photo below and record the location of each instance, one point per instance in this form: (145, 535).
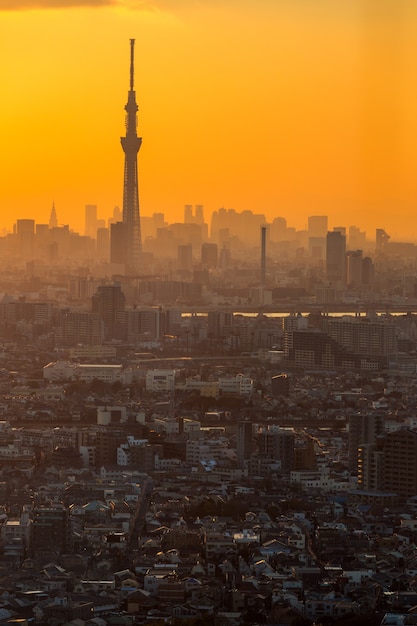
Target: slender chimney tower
(263, 256)
(131, 144)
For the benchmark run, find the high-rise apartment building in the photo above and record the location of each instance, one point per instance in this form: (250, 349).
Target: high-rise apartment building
(400, 463)
(244, 442)
(107, 302)
(363, 429)
(277, 444)
(80, 327)
(362, 335)
(370, 466)
(51, 529)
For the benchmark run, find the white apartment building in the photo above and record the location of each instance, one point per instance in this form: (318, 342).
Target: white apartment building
(240, 385)
(160, 380)
(104, 373)
(59, 370)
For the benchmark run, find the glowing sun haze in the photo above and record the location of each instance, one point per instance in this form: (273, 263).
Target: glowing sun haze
(285, 107)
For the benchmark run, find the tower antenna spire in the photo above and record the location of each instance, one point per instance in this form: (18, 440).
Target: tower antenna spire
(132, 63)
(131, 144)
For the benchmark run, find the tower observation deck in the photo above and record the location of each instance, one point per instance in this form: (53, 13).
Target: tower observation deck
(131, 144)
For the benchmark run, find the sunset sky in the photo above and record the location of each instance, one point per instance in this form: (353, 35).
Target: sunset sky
(285, 107)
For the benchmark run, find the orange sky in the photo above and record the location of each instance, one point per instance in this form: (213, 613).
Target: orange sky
(285, 107)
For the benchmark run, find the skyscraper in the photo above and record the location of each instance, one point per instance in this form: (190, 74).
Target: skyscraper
(90, 228)
(25, 231)
(336, 258)
(53, 222)
(317, 226)
(131, 144)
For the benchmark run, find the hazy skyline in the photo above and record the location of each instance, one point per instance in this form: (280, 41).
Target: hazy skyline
(285, 107)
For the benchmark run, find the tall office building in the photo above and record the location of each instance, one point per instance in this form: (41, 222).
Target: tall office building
(199, 214)
(209, 255)
(354, 263)
(336, 258)
(117, 243)
(25, 231)
(103, 243)
(188, 214)
(90, 227)
(131, 144)
(317, 226)
(185, 257)
(381, 241)
(317, 231)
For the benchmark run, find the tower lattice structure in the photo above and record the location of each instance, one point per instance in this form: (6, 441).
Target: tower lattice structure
(131, 144)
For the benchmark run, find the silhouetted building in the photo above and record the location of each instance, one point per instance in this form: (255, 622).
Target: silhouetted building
(139, 324)
(80, 327)
(357, 238)
(370, 462)
(400, 463)
(90, 227)
(185, 257)
(362, 335)
(51, 529)
(25, 232)
(277, 444)
(381, 241)
(217, 322)
(312, 348)
(209, 255)
(118, 251)
(363, 429)
(53, 221)
(107, 441)
(367, 272)
(317, 226)
(263, 256)
(106, 303)
(103, 244)
(354, 268)
(336, 258)
(244, 441)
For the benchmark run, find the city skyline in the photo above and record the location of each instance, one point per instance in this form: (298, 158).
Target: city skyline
(284, 109)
